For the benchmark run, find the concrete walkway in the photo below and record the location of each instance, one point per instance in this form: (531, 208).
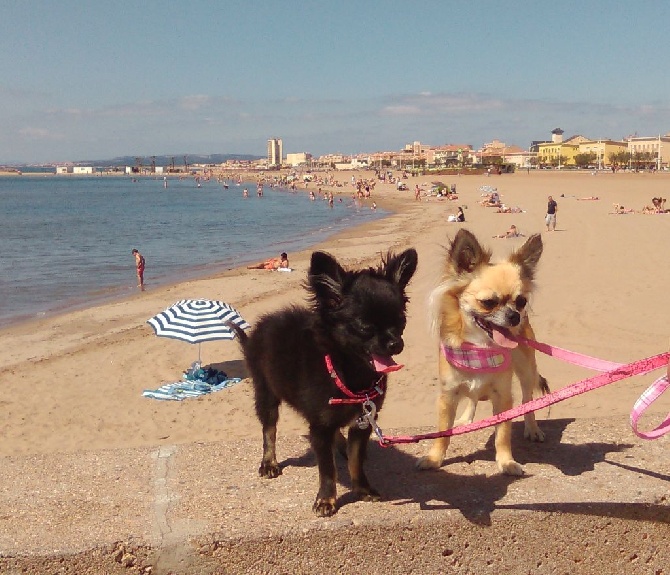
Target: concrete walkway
(595, 499)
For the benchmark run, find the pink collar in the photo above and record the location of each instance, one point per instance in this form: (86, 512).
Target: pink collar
(375, 391)
(470, 357)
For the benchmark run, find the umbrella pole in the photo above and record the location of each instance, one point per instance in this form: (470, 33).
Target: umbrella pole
(199, 361)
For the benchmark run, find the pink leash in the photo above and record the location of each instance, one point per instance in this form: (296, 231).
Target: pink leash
(612, 372)
(651, 394)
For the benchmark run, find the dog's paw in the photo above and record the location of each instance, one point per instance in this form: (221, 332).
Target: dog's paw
(533, 433)
(510, 467)
(369, 495)
(428, 462)
(325, 507)
(269, 470)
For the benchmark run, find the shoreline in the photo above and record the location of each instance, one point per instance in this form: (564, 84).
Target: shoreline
(73, 382)
(197, 273)
(119, 294)
(100, 294)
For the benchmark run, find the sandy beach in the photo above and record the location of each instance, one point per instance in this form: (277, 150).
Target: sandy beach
(72, 384)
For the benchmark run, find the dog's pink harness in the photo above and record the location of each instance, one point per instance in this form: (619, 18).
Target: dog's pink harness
(470, 357)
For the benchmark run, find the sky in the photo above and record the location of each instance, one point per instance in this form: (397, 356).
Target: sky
(97, 80)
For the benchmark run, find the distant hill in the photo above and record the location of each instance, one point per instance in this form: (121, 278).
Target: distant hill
(164, 161)
(167, 160)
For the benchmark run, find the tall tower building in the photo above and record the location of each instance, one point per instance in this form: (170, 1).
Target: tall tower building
(556, 136)
(275, 152)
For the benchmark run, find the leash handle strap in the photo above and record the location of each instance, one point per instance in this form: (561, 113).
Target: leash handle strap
(652, 393)
(638, 367)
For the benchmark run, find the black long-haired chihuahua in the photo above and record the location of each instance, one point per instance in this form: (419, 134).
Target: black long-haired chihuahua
(339, 348)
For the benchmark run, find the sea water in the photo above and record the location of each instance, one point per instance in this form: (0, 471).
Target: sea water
(66, 241)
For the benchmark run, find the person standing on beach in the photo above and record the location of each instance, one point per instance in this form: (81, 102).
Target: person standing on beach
(139, 265)
(552, 209)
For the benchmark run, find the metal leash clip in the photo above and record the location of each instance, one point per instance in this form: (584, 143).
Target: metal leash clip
(369, 418)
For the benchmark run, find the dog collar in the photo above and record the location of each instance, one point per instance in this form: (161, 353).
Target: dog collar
(470, 357)
(379, 387)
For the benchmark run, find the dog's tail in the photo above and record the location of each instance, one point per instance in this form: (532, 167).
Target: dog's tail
(543, 384)
(239, 332)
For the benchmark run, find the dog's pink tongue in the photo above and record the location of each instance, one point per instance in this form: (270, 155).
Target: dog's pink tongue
(385, 364)
(502, 340)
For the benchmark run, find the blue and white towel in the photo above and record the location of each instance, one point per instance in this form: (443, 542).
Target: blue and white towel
(180, 390)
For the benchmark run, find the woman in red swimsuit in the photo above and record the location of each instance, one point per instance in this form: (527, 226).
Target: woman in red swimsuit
(139, 263)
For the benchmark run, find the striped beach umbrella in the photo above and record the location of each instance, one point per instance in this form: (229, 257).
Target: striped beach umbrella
(197, 320)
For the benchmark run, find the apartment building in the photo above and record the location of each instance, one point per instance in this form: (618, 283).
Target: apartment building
(656, 148)
(275, 152)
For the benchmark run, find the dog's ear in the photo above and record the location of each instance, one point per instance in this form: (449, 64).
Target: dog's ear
(528, 255)
(324, 279)
(400, 269)
(466, 254)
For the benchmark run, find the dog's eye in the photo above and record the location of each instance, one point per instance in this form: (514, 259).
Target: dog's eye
(363, 330)
(489, 303)
(520, 302)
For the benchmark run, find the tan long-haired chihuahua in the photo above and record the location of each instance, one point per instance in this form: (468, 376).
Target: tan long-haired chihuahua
(477, 309)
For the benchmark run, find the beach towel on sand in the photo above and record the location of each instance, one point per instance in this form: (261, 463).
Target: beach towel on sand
(197, 381)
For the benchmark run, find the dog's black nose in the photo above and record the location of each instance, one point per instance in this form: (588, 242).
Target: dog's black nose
(396, 346)
(513, 317)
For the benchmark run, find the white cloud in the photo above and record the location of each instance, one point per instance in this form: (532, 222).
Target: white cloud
(31, 133)
(194, 102)
(401, 110)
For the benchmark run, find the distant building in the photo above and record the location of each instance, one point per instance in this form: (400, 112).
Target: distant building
(353, 164)
(82, 170)
(497, 152)
(560, 152)
(299, 159)
(603, 150)
(449, 155)
(275, 152)
(330, 160)
(557, 135)
(63, 169)
(656, 147)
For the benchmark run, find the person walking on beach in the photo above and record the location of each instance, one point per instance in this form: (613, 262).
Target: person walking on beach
(552, 209)
(139, 265)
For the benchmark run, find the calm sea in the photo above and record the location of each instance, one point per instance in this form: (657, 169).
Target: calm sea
(66, 241)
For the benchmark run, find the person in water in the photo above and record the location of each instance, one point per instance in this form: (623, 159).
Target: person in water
(139, 266)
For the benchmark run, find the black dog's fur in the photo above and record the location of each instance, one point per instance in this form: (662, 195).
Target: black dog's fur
(354, 315)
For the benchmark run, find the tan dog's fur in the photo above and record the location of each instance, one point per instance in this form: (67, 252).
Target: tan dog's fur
(470, 281)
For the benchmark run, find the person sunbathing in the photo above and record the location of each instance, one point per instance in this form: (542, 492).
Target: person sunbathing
(659, 205)
(513, 232)
(619, 209)
(491, 200)
(271, 264)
